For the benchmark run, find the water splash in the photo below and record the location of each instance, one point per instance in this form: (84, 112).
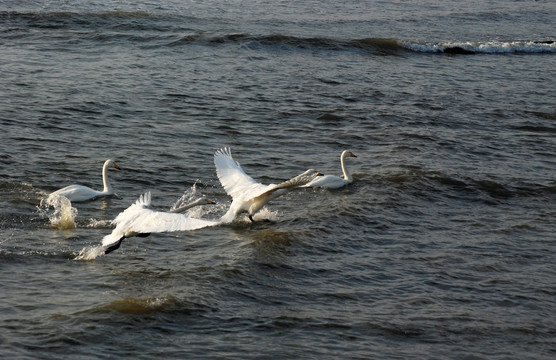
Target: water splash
(187, 197)
(63, 214)
(199, 212)
(95, 223)
(90, 253)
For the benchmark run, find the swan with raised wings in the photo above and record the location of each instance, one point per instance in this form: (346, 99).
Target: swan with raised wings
(247, 194)
(78, 193)
(332, 181)
(141, 220)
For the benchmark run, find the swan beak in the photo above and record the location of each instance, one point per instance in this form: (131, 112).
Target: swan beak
(209, 202)
(319, 173)
(352, 154)
(116, 166)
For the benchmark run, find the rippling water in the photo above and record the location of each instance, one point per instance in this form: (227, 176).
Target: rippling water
(443, 247)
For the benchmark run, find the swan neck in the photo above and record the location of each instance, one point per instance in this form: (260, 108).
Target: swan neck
(192, 204)
(347, 175)
(107, 187)
(184, 208)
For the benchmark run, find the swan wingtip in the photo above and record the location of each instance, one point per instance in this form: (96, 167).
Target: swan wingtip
(225, 151)
(144, 199)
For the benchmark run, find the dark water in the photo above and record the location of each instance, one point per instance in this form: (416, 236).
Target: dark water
(443, 247)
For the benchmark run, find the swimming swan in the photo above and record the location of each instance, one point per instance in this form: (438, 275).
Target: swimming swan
(331, 181)
(247, 194)
(77, 193)
(141, 220)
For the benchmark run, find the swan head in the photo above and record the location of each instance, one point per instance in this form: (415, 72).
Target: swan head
(204, 201)
(109, 162)
(347, 153)
(201, 201)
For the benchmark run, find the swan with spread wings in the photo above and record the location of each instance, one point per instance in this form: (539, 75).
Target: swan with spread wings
(248, 195)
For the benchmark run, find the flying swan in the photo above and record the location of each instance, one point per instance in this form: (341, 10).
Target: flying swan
(331, 181)
(141, 220)
(247, 194)
(78, 193)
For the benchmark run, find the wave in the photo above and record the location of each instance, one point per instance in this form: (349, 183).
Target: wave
(148, 305)
(488, 47)
(384, 46)
(465, 187)
(118, 25)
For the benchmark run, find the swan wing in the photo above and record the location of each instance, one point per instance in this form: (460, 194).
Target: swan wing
(113, 237)
(132, 212)
(126, 218)
(235, 181)
(153, 221)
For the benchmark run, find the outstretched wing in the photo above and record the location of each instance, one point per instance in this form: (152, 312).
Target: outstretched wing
(153, 221)
(131, 212)
(235, 181)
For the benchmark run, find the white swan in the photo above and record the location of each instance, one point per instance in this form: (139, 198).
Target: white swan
(331, 181)
(77, 193)
(141, 220)
(247, 194)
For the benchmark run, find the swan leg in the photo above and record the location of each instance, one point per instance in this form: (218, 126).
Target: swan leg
(115, 246)
(143, 235)
(251, 218)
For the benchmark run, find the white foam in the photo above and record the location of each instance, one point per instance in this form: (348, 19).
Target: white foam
(90, 253)
(488, 47)
(63, 215)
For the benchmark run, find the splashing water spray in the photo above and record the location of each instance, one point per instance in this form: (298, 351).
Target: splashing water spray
(63, 216)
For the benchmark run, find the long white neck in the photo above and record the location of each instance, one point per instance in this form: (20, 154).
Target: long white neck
(107, 187)
(184, 208)
(347, 175)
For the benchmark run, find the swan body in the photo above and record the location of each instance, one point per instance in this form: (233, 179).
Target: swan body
(331, 181)
(247, 194)
(79, 193)
(141, 220)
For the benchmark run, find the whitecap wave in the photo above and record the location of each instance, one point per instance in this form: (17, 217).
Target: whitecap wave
(488, 47)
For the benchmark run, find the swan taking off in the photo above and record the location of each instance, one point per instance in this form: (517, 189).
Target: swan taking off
(77, 193)
(247, 194)
(331, 181)
(141, 220)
